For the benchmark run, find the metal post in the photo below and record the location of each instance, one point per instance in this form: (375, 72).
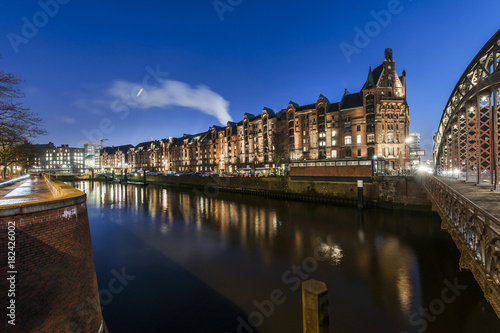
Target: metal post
(360, 194)
(472, 164)
(494, 134)
(478, 140)
(315, 307)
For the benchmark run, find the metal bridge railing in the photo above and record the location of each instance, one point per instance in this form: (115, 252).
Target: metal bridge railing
(476, 233)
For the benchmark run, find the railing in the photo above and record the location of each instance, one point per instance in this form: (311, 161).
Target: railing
(476, 233)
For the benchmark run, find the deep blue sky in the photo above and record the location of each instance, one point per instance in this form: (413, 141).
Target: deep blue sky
(86, 55)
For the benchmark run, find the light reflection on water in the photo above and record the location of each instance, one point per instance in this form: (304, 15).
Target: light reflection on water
(382, 266)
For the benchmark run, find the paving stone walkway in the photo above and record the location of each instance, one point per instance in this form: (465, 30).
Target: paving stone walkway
(28, 190)
(482, 196)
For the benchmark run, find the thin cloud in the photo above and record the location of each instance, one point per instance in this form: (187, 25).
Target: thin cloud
(68, 120)
(173, 93)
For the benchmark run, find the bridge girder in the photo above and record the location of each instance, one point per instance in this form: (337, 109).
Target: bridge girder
(467, 136)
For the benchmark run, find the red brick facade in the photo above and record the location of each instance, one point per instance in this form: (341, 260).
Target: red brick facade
(337, 171)
(373, 122)
(56, 285)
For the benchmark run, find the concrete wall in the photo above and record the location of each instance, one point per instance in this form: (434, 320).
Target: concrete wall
(56, 285)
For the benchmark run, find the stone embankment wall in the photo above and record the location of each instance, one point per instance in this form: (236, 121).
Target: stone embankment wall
(56, 285)
(383, 191)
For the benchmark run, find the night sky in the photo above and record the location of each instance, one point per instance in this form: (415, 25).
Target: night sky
(129, 71)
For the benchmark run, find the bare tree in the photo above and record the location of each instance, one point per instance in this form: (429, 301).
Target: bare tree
(280, 146)
(17, 123)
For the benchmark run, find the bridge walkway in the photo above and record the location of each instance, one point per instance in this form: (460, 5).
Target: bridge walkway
(482, 196)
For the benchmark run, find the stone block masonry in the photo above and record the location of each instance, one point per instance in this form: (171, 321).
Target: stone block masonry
(56, 287)
(389, 192)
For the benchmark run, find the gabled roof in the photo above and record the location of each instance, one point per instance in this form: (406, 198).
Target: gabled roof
(335, 107)
(207, 136)
(176, 142)
(42, 147)
(351, 100)
(305, 107)
(144, 144)
(113, 150)
(248, 115)
(281, 115)
(217, 128)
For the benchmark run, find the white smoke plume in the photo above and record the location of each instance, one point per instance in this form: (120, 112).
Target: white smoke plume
(173, 93)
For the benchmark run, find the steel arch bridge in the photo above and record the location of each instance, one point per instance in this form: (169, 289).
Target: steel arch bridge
(466, 143)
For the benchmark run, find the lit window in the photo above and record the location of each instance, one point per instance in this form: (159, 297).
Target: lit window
(348, 140)
(334, 154)
(334, 133)
(390, 138)
(334, 142)
(358, 139)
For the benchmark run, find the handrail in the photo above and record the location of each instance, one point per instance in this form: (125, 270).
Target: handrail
(476, 233)
(492, 218)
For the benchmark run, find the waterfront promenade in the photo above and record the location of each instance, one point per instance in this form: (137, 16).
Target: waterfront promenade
(25, 191)
(46, 258)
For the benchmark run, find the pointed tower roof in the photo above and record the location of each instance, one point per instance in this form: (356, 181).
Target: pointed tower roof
(370, 80)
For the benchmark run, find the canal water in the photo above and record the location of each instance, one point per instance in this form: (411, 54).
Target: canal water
(188, 260)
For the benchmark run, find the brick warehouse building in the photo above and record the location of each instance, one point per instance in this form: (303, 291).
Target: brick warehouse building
(373, 122)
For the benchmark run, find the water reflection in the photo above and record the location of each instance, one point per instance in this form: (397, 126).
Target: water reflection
(241, 246)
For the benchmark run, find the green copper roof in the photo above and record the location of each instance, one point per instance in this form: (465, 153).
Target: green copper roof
(269, 111)
(370, 81)
(248, 115)
(321, 96)
(292, 103)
